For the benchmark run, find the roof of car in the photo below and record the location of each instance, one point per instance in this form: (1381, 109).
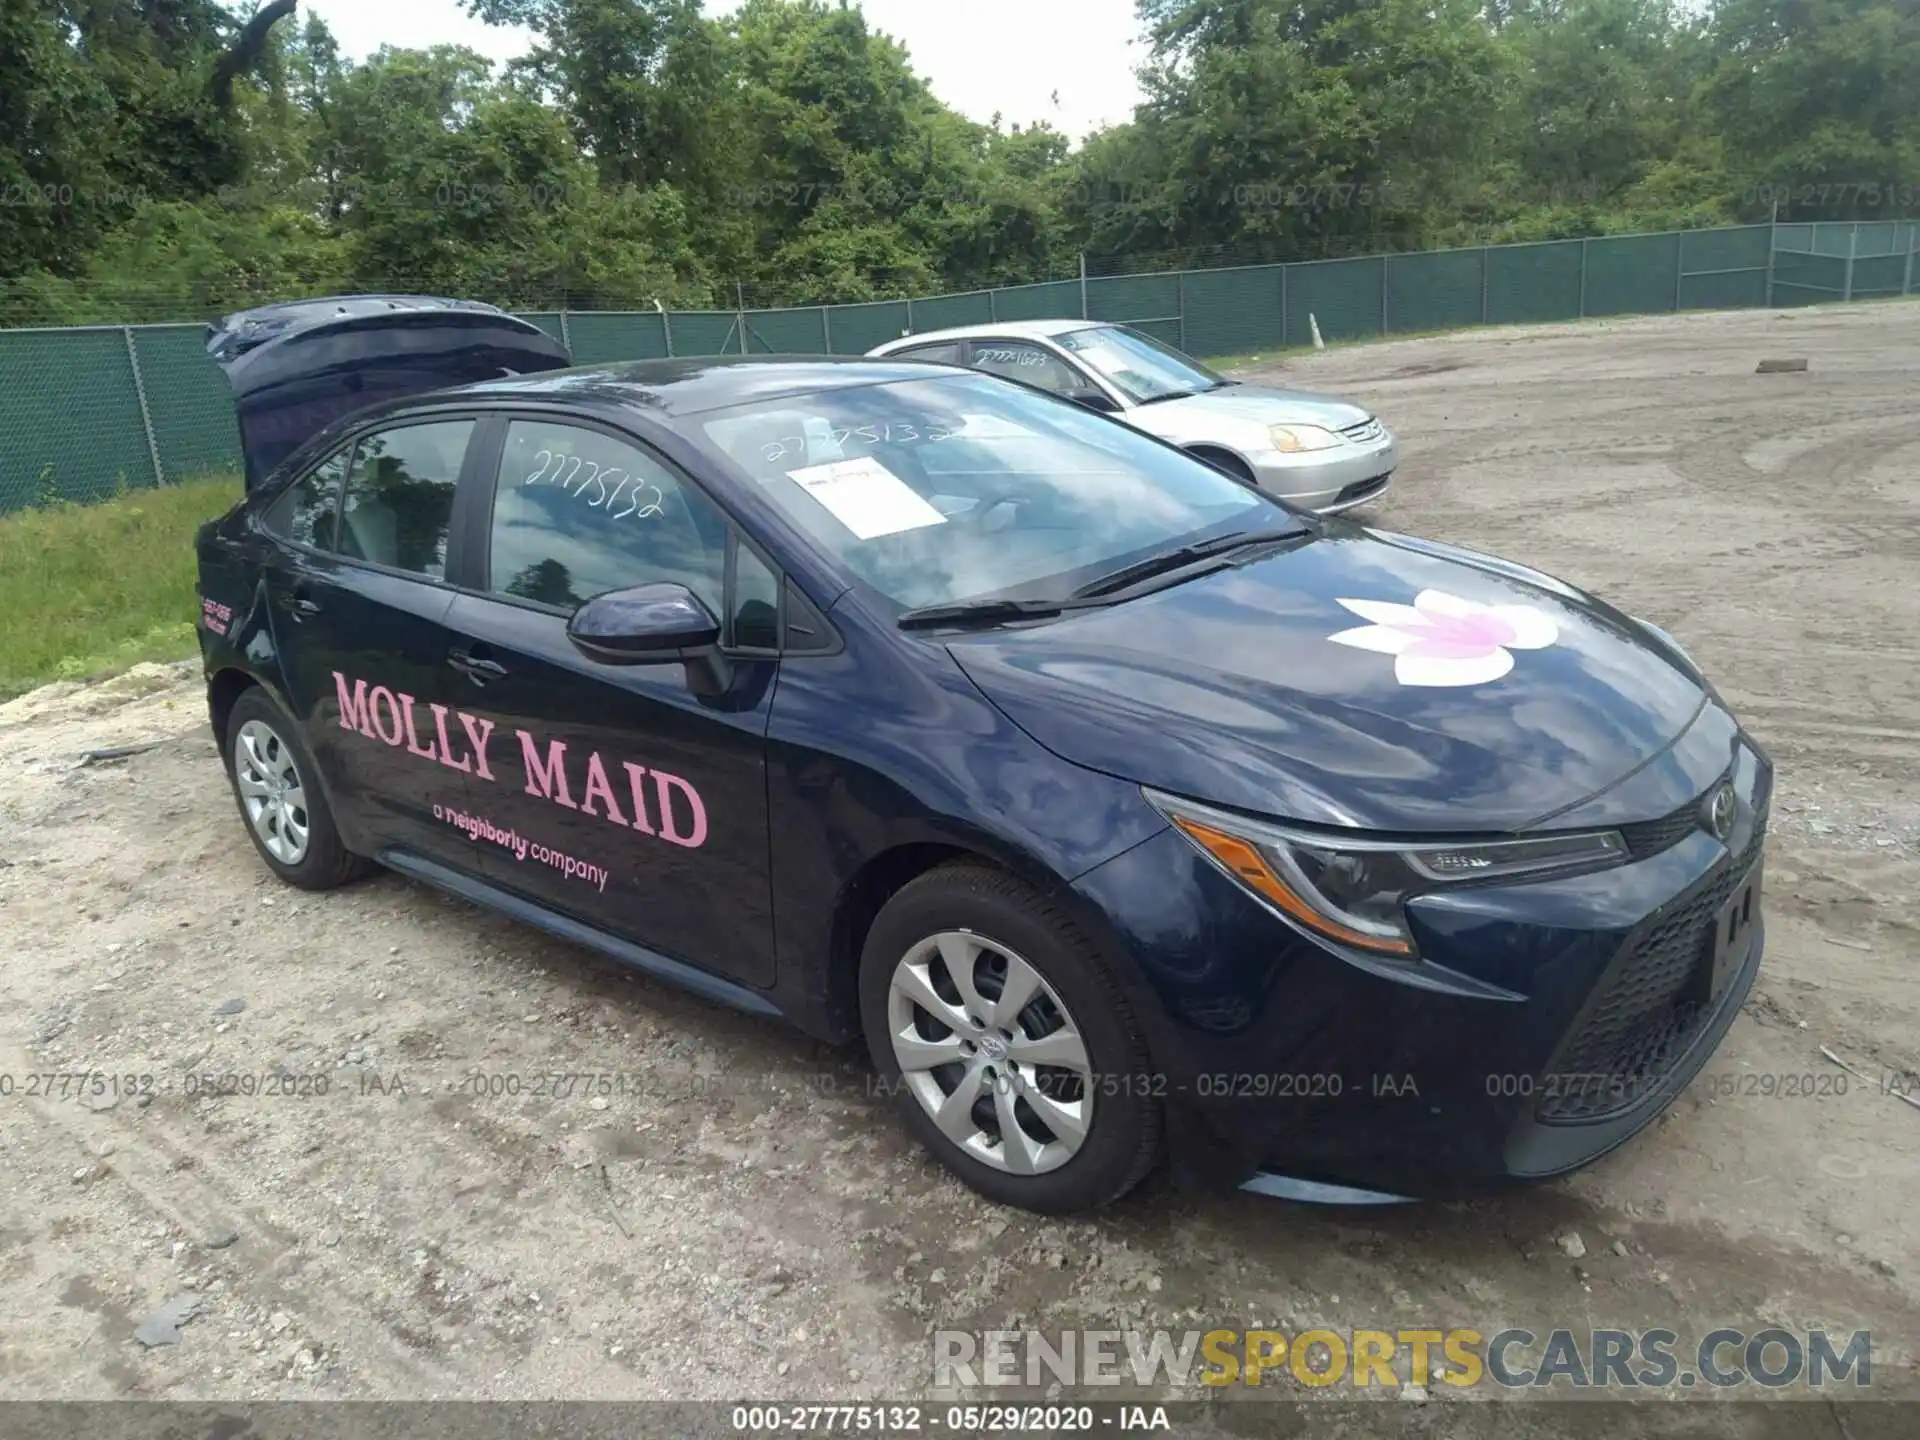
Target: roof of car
(1036, 329)
(690, 385)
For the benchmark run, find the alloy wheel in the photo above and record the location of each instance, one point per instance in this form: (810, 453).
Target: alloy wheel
(271, 791)
(991, 1052)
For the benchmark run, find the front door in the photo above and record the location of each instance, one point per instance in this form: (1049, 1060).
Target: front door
(359, 600)
(626, 796)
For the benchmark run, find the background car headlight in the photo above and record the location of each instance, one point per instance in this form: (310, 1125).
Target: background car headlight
(1354, 890)
(1297, 439)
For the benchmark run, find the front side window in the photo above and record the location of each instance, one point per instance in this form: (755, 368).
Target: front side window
(1032, 364)
(958, 487)
(1137, 366)
(307, 512)
(755, 612)
(578, 512)
(398, 508)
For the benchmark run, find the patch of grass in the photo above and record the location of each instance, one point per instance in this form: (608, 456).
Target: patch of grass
(91, 588)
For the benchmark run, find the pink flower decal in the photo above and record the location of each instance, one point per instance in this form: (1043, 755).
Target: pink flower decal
(1441, 639)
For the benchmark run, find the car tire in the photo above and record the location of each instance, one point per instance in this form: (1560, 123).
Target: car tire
(970, 917)
(276, 785)
(1224, 461)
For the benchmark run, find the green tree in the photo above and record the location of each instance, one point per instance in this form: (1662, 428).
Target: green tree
(1818, 102)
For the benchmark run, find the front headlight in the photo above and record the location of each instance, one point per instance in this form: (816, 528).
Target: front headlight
(1354, 891)
(1298, 439)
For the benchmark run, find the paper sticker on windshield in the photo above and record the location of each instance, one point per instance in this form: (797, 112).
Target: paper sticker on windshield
(866, 497)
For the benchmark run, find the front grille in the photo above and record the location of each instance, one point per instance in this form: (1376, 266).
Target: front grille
(1650, 837)
(1360, 489)
(1365, 433)
(1642, 1017)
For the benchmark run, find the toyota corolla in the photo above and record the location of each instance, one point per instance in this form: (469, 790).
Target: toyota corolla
(1123, 811)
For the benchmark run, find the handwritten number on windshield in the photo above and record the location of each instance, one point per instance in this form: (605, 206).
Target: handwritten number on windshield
(839, 438)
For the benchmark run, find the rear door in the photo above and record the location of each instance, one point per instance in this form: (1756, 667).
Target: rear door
(628, 796)
(358, 597)
(1030, 364)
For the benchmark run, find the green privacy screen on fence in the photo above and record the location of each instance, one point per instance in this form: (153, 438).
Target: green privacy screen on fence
(90, 410)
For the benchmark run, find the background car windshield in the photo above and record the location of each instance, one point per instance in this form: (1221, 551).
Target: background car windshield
(961, 487)
(1140, 368)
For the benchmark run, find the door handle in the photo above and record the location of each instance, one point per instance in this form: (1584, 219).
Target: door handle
(478, 670)
(302, 603)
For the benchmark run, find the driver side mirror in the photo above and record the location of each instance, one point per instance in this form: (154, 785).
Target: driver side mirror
(1094, 400)
(646, 625)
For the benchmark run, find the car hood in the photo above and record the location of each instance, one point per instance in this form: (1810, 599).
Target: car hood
(1255, 404)
(1228, 688)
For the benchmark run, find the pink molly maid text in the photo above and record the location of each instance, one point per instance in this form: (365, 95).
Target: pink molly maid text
(661, 805)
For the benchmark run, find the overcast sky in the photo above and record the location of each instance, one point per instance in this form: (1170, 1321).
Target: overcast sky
(981, 56)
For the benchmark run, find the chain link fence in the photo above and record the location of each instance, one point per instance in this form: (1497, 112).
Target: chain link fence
(89, 411)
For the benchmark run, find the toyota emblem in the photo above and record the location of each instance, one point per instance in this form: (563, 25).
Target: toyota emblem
(1720, 812)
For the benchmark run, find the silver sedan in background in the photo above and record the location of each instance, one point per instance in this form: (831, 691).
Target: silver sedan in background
(1316, 452)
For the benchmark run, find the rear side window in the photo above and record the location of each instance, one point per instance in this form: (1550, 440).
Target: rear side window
(307, 512)
(1017, 360)
(399, 496)
(578, 513)
(947, 354)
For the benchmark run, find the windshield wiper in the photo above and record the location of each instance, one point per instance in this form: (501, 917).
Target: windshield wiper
(965, 611)
(1169, 395)
(1185, 555)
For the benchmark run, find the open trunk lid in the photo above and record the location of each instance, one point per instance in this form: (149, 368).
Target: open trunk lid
(297, 367)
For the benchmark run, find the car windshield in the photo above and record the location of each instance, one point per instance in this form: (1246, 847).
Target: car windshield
(1141, 368)
(964, 487)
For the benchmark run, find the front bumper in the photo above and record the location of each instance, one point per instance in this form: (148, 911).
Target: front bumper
(1328, 480)
(1541, 1029)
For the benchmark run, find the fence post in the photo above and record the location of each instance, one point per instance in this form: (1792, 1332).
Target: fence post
(1283, 306)
(1083, 285)
(993, 308)
(826, 328)
(1483, 284)
(1906, 283)
(740, 311)
(1853, 247)
(1180, 289)
(666, 326)
(1679, 271)
(566, 336)
(1773, 249)
(146, 413)
(1384, 331)
(1583, 279)
(909, 314)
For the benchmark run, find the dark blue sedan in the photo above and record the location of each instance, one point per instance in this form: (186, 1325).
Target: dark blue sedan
(1121, 810)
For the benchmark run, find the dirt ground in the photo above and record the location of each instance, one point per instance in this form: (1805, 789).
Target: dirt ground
(745, 1221)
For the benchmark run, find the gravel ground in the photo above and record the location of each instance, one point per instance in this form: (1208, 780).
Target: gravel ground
(744, 1220)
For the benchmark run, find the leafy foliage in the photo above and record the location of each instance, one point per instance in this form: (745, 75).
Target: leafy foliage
(163, 159)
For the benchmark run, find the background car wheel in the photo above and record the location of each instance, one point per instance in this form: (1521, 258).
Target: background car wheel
(1224, 460)
(280, 801)
(1013, 1053)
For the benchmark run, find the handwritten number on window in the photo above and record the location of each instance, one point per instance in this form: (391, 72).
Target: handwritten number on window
(644, 501)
